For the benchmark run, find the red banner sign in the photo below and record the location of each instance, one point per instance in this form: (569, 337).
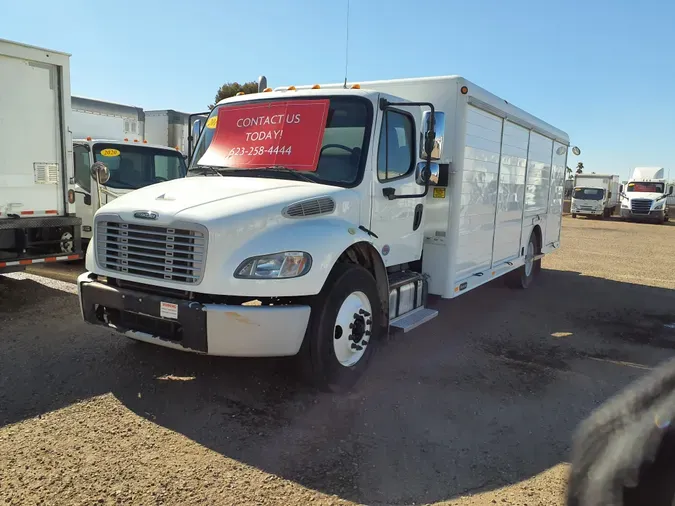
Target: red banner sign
(287, 133)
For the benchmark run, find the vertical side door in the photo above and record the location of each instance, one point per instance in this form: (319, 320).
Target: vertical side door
(397, 223)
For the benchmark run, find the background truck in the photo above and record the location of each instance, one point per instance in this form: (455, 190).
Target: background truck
(106, 120)
(131, 165)
(645, 196)
(167, 128)
(35, 158)
(314, 219)
(595, 195)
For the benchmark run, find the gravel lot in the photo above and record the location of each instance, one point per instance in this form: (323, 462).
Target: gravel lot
(482, 401)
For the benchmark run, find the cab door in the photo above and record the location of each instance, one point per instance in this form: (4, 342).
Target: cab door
(398, 223)
(83, 203)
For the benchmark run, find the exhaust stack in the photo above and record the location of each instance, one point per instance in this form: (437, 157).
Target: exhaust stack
(262, 83)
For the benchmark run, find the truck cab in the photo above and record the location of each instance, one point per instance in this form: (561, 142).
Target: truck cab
(595, 195)
(132, 165)
(314, 220)
(645, 197)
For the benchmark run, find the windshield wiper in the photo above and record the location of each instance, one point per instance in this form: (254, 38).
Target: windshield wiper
(207, 167)
(286, 170)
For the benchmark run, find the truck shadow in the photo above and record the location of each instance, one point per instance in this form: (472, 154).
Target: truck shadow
(485, 395)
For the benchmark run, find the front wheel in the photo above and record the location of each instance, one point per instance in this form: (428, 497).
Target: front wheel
(523, 276)
(344, 327)
(574, 215)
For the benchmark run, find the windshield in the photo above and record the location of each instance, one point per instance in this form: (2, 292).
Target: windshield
(343, 150)
(644, 187)
(589, 193)
(133, 167)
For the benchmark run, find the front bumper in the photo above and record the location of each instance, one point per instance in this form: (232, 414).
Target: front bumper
(657, 215)
(212, 329)
(588, 212)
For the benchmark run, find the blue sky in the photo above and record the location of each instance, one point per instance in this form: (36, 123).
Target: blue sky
(603, 71)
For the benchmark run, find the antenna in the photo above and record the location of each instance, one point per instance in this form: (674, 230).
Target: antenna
(347, 47)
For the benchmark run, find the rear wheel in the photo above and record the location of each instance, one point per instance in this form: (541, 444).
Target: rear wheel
(344, 328)
(574, 215)
(522, 277)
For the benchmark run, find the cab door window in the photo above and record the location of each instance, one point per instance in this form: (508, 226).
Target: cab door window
(396, 155)
(82, 175)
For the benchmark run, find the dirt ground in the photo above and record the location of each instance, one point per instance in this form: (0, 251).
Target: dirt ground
(477, 407)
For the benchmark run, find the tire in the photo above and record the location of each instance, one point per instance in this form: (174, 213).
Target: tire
(574, 215)
(522, 277)
(606, 213)
(329, 359)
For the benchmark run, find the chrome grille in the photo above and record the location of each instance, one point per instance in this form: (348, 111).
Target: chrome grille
(640, 206)
(170, 254)
(310, 207)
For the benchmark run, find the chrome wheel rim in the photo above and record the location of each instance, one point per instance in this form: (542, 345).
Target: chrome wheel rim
(529, 259)
(352, 329)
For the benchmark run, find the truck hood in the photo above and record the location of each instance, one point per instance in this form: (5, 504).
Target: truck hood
(204, 199)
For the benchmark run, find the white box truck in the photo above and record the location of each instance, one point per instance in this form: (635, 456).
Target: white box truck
(115, 133)
(315, 219)
(595, 195)
(131, 165)
(645, 196)
(167, 128)
(35, 158)
(100, 119)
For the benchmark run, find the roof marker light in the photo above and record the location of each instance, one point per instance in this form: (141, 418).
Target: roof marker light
(291, 88)
(356, 86)
(316, 87)
(267, 90)
(240, 93)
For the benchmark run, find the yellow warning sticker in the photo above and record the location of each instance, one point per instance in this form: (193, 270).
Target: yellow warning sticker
(212, 122)
(439, 193)
(110, 152)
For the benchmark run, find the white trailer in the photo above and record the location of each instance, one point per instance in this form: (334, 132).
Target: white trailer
(167, 128)
(645, 196)
(35, 158)
(316, 219)
(595, 195)
(99, 119)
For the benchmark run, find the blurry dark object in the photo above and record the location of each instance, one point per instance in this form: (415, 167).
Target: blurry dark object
(624, 453)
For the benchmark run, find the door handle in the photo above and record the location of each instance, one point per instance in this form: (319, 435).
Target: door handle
(417, 220)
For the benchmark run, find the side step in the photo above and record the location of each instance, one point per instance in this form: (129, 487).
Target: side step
(407, 300)
(413, 319)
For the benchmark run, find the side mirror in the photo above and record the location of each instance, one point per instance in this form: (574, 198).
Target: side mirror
(576, 151)
(87, 200)
(432, 140)
(196, 129)
(100, 172)
(670, 191)
(424, 176)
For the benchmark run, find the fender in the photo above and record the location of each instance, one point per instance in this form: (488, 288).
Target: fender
(325, 239)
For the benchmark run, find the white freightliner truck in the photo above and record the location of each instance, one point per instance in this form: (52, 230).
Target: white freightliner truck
(115, 134)
(131, 165)
(36, 224)
(645, 196)
(595, 195)
(314, 219)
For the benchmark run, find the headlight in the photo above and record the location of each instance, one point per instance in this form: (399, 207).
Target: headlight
(289, 264)
(625, 204)
(659, 205)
